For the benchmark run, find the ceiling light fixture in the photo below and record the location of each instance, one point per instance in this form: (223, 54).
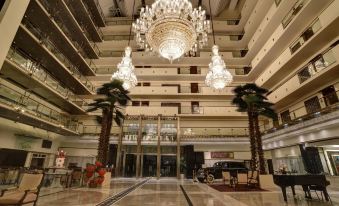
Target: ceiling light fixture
(171, 28)
(125, 71)
(218, 76)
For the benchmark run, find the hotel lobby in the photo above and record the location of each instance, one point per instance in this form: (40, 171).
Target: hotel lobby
(169, 102)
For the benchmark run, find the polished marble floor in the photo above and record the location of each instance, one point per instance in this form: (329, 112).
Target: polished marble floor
(167, 192)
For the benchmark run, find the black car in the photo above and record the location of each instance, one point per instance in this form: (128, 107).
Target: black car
(215, 172)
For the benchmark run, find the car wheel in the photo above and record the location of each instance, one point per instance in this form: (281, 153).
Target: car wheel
(210, 178)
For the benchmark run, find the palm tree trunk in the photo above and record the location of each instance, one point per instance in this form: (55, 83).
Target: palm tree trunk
(253, 162)
(101, 145)
(259, 145)
(107, 136)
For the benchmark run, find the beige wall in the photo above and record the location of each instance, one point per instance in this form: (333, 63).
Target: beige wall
(10, 18)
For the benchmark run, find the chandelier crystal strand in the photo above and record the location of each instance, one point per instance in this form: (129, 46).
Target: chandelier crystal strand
(125, 71)
(171, 28)
(218, 76)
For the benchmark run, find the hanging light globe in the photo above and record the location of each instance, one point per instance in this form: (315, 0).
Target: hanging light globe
(218, 77)
(125, 71)
(171, 28)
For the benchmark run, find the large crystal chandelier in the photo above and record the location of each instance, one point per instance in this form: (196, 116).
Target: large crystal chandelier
(218, 76)
(171, 28)
(125, 71)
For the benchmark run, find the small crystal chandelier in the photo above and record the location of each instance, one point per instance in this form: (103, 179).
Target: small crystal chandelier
(171, 28)
(218, 76)
(125, 71)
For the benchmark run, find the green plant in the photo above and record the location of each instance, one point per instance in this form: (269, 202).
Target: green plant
(114, 97)
(252, 99)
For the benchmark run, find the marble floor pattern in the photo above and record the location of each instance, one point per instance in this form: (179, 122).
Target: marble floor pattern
(167, 192)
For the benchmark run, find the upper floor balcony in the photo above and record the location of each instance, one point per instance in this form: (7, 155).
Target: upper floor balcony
(84, 16)
(64, 17)
(95, 9)
(61, 37)
(321, 70)
(21, 68)
(314, 110)
(167, 133)
(177, 109)
(319, 33)
(21, 106)
(30, 40)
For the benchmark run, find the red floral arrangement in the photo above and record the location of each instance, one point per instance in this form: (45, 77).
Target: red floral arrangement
(95, 174)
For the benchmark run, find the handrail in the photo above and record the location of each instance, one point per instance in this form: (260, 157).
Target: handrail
(31, 66)
(321, 55)
(22, 102)
(304, 113)
(65, 30)
(58, 54)
(303, 38)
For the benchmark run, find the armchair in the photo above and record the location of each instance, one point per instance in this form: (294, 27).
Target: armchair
(26, 192)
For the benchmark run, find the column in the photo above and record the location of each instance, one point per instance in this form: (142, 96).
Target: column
(137, 167)
(141, 161)
(178, 147)
(118, 160)
(159, 148)
(10, 18)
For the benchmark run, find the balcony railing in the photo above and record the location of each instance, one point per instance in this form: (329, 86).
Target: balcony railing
(169, 134)
(99, 8)
(52, 11)
(24, 103)
(311, 110)
(92, 18)
(59, 55)
(36, 70)
(316, 65)
(305, 36)
(293, 12)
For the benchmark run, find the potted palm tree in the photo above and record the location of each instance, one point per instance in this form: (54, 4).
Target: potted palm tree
(252, 99)
(113, 98)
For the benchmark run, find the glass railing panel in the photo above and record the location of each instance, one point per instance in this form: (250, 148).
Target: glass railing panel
(293, 12)
(213, 132)
(312, 108)
(318, 64)
(37, 71)
(26, 104)
(305, 36)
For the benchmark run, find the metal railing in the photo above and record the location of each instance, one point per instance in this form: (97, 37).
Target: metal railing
(59, 55)
(52, 11)
(293, 12)
(310, 110)
(92, 18)
(316, 65)
(34, 69)
(305, 36)
(24, 103)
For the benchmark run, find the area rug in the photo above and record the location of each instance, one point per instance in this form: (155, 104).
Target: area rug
(239, 188)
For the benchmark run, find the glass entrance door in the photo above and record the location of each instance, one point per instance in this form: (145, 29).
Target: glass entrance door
(130, 165)
(149, 166)
(168, 166)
